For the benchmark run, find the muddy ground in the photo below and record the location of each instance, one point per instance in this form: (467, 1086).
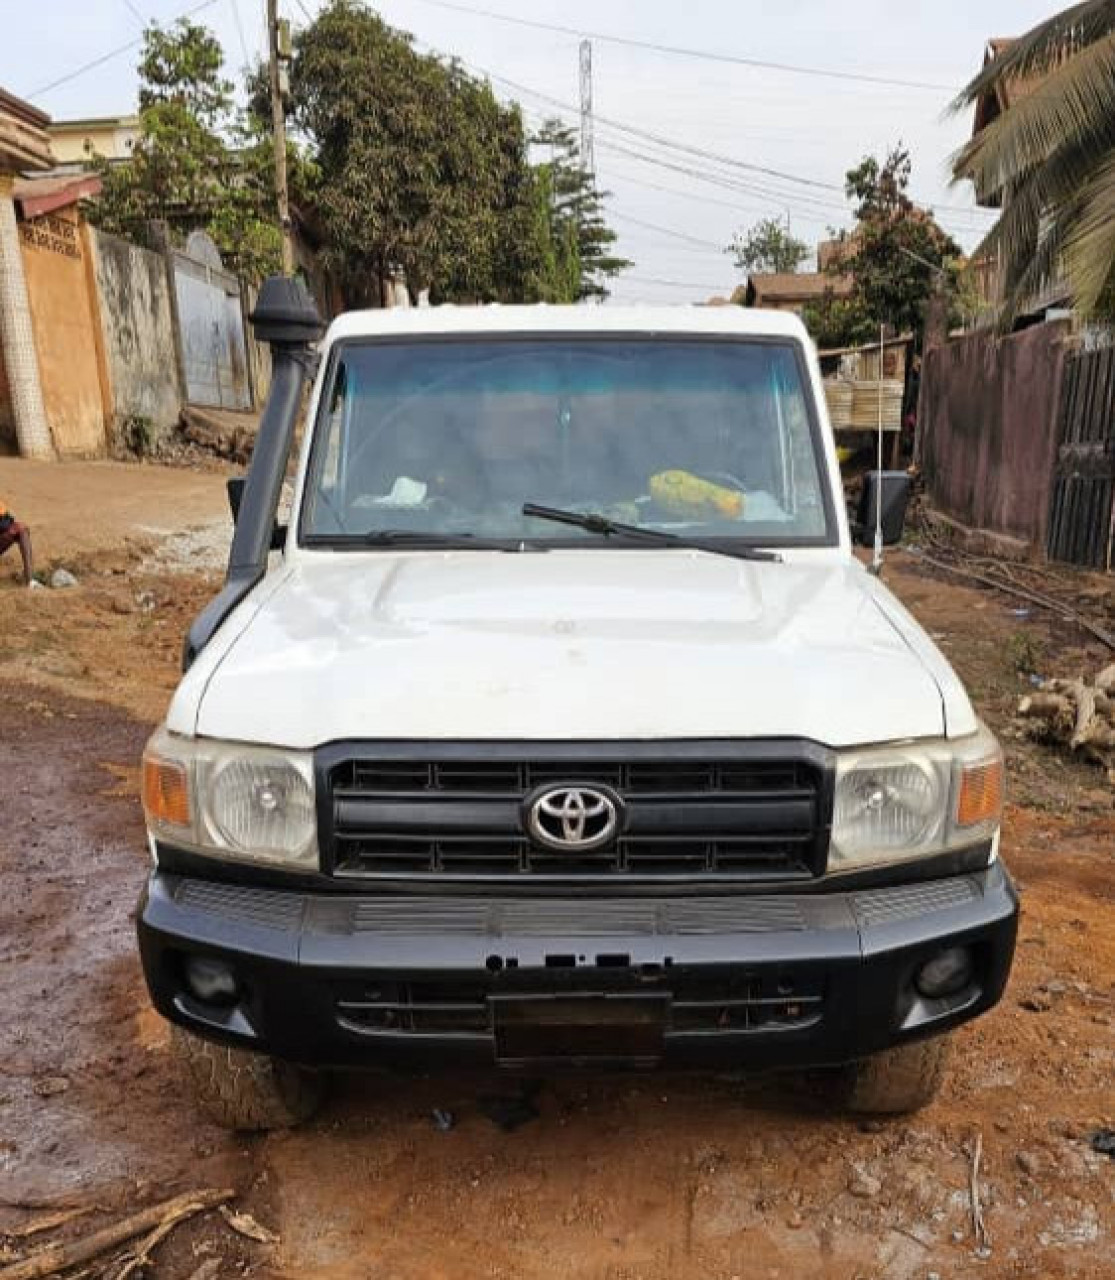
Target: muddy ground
(619, 1177)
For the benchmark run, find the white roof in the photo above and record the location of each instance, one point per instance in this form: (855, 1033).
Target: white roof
(566, 319)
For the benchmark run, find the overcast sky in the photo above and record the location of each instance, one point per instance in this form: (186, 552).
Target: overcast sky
(806, 126)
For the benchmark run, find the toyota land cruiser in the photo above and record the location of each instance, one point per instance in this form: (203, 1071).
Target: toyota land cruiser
(562, 727)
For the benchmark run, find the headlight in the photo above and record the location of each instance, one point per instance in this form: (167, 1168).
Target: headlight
(227, 800)
(908, 801)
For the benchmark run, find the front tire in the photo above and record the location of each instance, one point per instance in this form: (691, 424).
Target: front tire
(898, 1080)
(244, 1090)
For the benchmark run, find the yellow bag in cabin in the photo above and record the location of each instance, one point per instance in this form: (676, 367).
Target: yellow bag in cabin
(684, 494)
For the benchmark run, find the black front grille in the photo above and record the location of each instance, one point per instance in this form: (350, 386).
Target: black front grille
(742, 812)
(758, 1001)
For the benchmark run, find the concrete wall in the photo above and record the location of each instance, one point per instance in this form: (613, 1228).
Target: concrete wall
(7, 422)
(67, 331)
(138, 334)
(989, 423)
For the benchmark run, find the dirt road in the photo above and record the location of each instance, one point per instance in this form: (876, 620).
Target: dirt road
(87, 508)
(621, 1177)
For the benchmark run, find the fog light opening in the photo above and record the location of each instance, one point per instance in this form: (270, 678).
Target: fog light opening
(945, 974)
(211, 981)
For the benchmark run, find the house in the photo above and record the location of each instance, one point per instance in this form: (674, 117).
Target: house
(836, 251)
(75, 142)
(792, 291)
(986, 271)
(994, 101)
(24, 148)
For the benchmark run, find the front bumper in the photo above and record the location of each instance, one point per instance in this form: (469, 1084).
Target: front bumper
(755, 981)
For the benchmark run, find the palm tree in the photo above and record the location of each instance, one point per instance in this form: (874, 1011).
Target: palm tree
(1049, 159)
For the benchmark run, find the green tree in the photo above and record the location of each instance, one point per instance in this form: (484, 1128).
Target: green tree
(421, 171)
(768, 246)
(834, 320)
(196, 163)
(582, 238)
(1049, 159)
(896, 255)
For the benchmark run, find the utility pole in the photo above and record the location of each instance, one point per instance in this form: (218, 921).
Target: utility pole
(278, 43)
(588, 149)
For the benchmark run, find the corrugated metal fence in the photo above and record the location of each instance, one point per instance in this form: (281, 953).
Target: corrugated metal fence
(211, 331)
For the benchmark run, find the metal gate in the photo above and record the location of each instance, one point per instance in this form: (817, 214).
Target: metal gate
(1081, 526)
(211, 325)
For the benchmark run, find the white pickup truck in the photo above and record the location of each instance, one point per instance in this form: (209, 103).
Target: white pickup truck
(562, 728)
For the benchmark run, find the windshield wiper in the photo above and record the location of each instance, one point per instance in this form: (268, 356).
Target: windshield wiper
(596, 523)
(405, 538)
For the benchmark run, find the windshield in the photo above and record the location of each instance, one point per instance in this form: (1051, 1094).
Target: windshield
(709, 438)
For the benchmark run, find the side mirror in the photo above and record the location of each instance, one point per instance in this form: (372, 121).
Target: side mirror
(235, 486)
(885, 493)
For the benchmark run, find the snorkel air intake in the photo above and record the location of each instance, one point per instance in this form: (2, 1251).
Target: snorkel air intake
(287, 320)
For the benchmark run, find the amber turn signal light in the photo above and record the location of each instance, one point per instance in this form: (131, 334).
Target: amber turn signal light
(166, 792)
(981, 793)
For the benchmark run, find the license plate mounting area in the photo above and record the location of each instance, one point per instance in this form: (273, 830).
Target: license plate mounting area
(582, 1028)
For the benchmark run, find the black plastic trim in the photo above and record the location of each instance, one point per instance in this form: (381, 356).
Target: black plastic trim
(207, 623)
(746, 751)
(183, 862)
(285, 317)
(299, 965)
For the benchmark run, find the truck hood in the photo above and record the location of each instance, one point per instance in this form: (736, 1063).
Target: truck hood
(571, 644)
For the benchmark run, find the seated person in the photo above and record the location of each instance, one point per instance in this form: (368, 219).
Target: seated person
(12, 533)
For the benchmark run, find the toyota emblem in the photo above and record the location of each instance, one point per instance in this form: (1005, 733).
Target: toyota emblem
(572, 818)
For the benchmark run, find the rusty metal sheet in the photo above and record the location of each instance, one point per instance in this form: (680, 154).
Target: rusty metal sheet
(990, 429)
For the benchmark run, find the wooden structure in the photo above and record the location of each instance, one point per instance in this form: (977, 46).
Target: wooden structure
(1081, 527)
(860, 380)
(990, 428)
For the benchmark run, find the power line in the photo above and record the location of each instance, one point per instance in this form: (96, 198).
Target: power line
(535, 115)
(668, 231)
(724, 181)
(645, 134)
(107, 57)
(668, 284)
(701, 153)
(704, 54)
(802, 206)
(735, 206)
(240, 32)
(721, 180)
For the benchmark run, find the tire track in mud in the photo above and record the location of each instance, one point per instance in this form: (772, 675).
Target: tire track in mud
(88, 1097)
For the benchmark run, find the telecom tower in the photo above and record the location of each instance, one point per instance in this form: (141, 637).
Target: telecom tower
(588, 152)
